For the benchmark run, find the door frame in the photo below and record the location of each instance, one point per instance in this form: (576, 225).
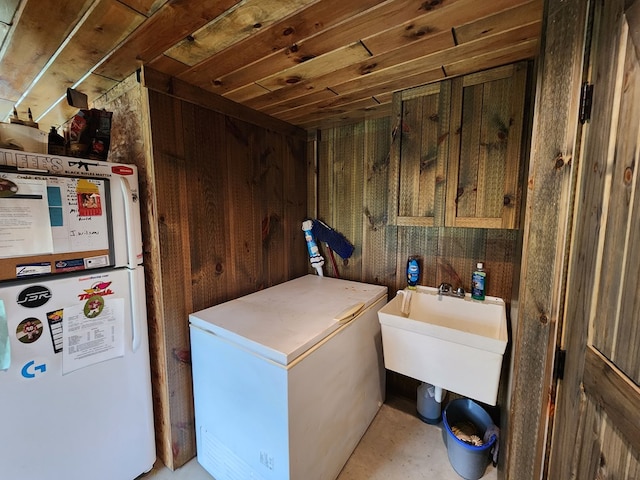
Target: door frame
(539, 288)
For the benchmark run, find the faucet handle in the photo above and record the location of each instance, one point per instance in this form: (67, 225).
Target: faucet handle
(445, 288)
(460, 292)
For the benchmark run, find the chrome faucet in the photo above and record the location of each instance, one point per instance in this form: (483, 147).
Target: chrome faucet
(448, 290)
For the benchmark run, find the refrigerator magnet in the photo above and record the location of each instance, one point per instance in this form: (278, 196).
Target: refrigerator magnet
(89, 204)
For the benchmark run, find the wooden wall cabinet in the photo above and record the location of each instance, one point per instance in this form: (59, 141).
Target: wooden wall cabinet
(456, 157)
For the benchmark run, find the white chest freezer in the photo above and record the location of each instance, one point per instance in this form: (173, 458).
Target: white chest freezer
(286, 380)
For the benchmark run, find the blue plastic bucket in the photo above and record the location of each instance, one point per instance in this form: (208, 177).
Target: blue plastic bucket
(469, 461)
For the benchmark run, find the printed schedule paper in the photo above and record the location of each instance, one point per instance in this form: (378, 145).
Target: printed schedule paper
(25, 227)
(92, 332)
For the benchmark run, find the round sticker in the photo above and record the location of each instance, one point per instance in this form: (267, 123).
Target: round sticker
(7, 188)
(94, 306)
(29, 330)
(34, 296)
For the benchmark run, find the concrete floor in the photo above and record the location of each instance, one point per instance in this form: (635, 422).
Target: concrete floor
(396, 445)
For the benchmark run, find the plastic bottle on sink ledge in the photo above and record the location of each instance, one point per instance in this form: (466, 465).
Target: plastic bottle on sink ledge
(413, 272)
(478, 282)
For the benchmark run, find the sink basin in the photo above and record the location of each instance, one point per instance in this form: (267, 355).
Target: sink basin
(450, 342)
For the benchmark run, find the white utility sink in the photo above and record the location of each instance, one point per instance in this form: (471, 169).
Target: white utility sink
(454, 343)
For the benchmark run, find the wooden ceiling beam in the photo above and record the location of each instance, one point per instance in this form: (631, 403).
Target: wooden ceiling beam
(392, 71)
(108, 24)
(278, 39)
(239, 23)
(171, 23)
(30, 46)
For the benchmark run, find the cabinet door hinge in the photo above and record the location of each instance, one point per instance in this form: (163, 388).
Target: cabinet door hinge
(558, 363)
(586, 101)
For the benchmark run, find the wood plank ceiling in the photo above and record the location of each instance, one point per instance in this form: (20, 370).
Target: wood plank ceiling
(308, 62)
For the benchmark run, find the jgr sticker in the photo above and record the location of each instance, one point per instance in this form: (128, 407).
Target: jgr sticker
(34, 296)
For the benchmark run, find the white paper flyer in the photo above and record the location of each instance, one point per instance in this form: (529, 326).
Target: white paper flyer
(92, 332)
(25, 227)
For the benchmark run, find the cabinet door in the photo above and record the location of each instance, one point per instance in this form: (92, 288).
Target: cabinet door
(419, 155)
(484, 171)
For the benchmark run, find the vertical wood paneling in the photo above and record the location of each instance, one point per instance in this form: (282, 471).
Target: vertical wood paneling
(447, 254)
(295, 177)
(496, 123)
(348, 195)
(620, 343)
(207, 183)
(176, 268)
(325, 210)
(210, 245)
(270, 214)
(378, 240)
(606, 454)
(428, 156)
(514, 174)
(470, 141)
(410, 153)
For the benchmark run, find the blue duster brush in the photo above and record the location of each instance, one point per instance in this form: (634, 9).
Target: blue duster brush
(336, 241)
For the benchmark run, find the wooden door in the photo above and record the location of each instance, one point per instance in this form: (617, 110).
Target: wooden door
(484, 178)
(597, 420)
(419, 155)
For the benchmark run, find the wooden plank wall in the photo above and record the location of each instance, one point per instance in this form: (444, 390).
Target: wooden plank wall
(223, 201)
(228, 225)
(353, 189)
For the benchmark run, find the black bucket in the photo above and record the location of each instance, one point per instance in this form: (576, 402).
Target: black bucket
(469, 461)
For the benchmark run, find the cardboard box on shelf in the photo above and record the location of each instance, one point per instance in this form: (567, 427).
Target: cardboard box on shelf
(22, 137)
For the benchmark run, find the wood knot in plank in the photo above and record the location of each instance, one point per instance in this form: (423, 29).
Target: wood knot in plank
(422, 32)
(561, 160)
(183, 355)
(430, 5)
(366, 69)
(628, 175)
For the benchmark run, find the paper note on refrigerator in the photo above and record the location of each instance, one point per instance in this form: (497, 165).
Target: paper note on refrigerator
(25, 227)
(92, 332)
(5, 345)
(78, 217)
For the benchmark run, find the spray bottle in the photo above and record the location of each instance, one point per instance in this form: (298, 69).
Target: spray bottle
(317, 260)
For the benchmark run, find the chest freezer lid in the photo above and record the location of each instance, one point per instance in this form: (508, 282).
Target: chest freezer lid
(282, 322)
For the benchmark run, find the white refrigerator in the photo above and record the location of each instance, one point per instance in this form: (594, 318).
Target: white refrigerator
(287, 380)
(75, 387)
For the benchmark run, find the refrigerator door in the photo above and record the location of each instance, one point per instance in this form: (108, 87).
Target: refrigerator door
(282, 322)
(61, 214)
(75, 400)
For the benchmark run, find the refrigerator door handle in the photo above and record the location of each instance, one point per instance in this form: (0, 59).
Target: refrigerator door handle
(138, 309)
(128, 218)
